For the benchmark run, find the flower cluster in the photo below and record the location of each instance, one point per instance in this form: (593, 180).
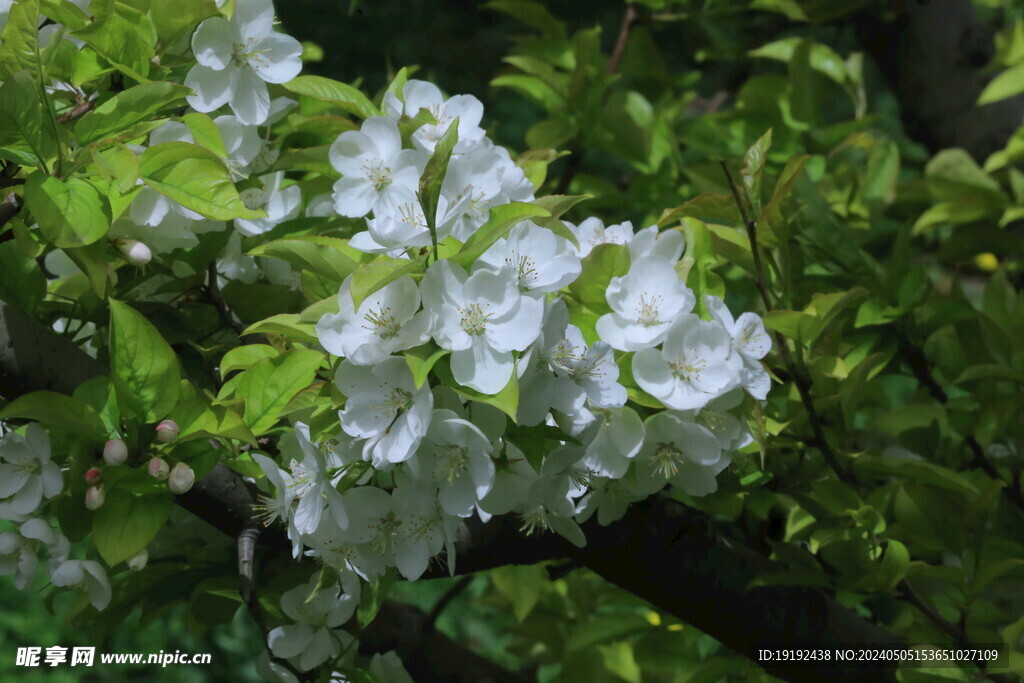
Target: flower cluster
(485, 378)
(500, 323)
(28, 479)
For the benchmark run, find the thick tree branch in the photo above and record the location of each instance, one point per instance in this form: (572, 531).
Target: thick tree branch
(34, 357)
(935, 57)
(662, 551)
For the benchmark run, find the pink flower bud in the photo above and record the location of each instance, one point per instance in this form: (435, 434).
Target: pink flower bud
(137, 562)
(134, 251)
(167, 431)
(181, 479)
(115, 452)
(94, 497)
(157, 468)
(93, 476)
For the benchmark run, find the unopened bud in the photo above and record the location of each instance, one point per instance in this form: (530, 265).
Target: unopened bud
(137, 562)
(115, 452)
(135, 252)
(93, 476)
(94, 497)
(157, 468)
(181, 479)
(167, 431)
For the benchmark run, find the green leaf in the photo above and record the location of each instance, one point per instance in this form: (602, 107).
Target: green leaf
(57, 411)
(268, 385)
(121, 41)
(95, 261)
(383, 270)
(1006, 84)
(618, 659)
(373, 595)
(708, 207)
(960, 211)
(22, 283)
(328, 257)
(522, 585)
(19, 42)
(70, 213)
(421, 359)
(822, 58)
(533, 88)
(915, 470)
(753, 168)
(789, 8)
(127, 523)
(21, 134)
(506, 400)
(533, 14)
(242, 357)
(340, 94)
(194, 177)
(604, 262)
(605, 629)
(118, 165)
(65, 13)
(433, 175)
(893, 567)
(197, 418)
(882, 173)
(128, 108)
(501, 220)
(98, 393)
(205, 133)
(174, 20)
(144, 368)
(557, 205)
(288, 325)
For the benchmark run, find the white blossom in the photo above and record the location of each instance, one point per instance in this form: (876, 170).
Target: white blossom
(84, 575)
(455, 457)
(237, 58)
(644, 303)
(280, 203)
(481, 318)
(423, 95)
(693, 366)
(387, 321)
(750, 341)
(376, 173)
(679, 452)
(312, 639)
(541, 260)
(27, 475)
(385, 408)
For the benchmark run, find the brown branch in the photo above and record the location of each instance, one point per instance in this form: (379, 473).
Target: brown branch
(80, 109)
(9, 208)
(803, 384)
(11, 182)
(620, 43)
(915, 359)
(217, 299)
(33, 357)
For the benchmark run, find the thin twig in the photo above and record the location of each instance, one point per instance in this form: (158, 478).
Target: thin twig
(445, 600)
(620, 44)
(10, 182)
(217, 299)
(803, 385)
(80, 109)
(918, 364)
